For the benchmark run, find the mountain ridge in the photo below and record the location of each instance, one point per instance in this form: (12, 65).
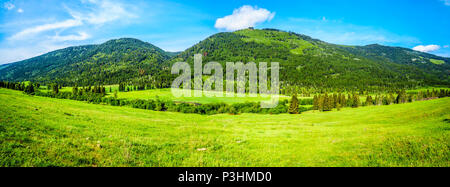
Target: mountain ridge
(307, 62)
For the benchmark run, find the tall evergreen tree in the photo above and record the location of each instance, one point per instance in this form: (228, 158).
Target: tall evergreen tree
(355, 102)
(321, 103)
(293, 108)
(316, 102)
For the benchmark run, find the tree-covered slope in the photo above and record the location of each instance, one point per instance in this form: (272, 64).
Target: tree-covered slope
(304, 61)
(435, 65)
(111, 62)
(313, 63)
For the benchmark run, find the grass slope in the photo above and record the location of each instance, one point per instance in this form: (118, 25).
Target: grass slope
(166, 94)
(37, 131)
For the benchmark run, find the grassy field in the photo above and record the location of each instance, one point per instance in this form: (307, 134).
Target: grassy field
(166, 94)
(39, 131)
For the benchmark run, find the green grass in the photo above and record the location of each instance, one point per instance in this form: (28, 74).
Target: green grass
(166, 94)
(434, 61)
(39, 131)
(274, 37)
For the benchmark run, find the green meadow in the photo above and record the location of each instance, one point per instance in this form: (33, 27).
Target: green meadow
(41, 131)
(166, 94)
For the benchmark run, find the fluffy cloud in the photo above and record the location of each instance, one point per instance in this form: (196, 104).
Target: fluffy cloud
(446, 2)
(426, 48)
(339, 32)
(244, 17)
(72, 37)
(24, 34)
(39, 36)
(104, 11)
(99, 13)
(9, 5)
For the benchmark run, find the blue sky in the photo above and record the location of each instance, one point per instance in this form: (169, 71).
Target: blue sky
(32, 27)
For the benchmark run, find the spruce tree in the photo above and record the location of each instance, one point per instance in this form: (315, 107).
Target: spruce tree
(293, 108)
(55, 88)
(115, 94)
(315, 103)
(356, 102)
(75, 90)
(420, 96)
(326, 102)
(369, 101)
(321, 103)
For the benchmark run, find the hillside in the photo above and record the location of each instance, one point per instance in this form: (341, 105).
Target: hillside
(313, 63)
(305, 62)
(60, 132)
(111, 62)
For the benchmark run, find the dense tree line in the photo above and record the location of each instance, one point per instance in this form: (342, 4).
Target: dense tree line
(27, 87)
(328, 102)
(321, 102)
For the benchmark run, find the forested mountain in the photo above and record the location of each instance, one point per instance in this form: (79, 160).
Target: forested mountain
(305, 62)
(111, 62)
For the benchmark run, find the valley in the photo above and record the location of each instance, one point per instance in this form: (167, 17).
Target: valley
(59, 132)
(111, 104)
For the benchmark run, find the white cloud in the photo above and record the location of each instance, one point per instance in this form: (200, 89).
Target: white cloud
(72, 37)
(9, 5)
(32, 38)
(24, 34)
(244, 17)
(13, 54)
(103, 11)
(339, 32)
(446, 2)
(426, 48)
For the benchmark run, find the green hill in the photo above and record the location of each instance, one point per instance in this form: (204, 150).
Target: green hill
(111, 62)
(60, 132)
(308, 62)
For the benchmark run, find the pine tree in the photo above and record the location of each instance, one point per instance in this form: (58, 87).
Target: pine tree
(335, 100)
(293, 108)
(75, 90)
(330, 102)
(115, 94)
(390, 99)
(320, 103)
(29, 89)
(401, 97)
(343, 100)
(349, 101)
(315, 103)
(369, 101)
(356, 102)
(326, 103)
(55, 88)
(420, 96)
